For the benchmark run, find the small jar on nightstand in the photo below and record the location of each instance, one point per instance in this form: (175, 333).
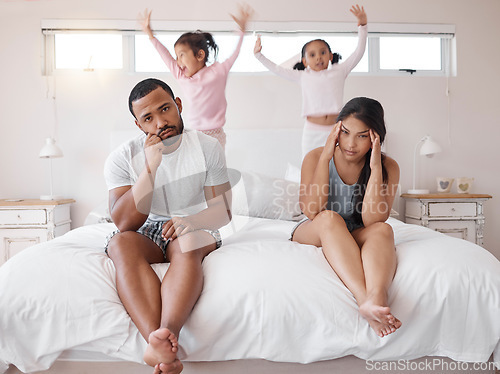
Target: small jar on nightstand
(25, 222)
(459, 215)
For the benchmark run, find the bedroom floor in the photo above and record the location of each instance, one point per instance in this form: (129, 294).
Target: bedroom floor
(345, 365)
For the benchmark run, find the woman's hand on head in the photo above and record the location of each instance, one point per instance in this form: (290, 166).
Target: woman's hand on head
(145, 22)
(245, 13)
(376, 157)
(332, 141)
(258, 45)
(359, 13)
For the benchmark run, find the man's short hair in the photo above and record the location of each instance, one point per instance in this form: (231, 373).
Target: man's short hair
(144, 87)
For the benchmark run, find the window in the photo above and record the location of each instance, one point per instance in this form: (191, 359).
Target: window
(412, 53)
(280, 49)
(88, 51)
(392, 49)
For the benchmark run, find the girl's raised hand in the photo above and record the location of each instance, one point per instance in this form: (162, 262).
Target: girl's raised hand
(332, 141)
(258, 45)
(376, 157)
(359, 13)
(144, 20)
(245, 13)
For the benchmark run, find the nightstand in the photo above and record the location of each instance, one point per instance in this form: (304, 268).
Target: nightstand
(458, 215)
(26, 222)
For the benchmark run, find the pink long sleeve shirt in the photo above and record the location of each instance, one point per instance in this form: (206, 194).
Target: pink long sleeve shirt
(205, 90)
(322, 91)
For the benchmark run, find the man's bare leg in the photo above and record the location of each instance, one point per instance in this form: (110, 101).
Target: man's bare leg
(180, 289)
(137, 284)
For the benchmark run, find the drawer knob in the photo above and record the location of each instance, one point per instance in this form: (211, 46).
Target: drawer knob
(19, 216)
(452, 209)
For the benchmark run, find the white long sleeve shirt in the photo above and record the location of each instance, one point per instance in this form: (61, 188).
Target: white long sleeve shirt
(322, 91)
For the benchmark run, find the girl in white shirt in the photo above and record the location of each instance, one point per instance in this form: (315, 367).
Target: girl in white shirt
(322, 84)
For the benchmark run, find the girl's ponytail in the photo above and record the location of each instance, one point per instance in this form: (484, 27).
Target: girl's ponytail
(336, 57)
(299, 66)
(211, 44)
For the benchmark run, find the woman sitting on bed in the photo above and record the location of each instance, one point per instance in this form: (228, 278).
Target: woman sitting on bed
(347, 190)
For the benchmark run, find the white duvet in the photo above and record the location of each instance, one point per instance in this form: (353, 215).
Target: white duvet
(264, 297)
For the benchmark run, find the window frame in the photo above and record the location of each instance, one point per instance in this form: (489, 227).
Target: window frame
(128, 29)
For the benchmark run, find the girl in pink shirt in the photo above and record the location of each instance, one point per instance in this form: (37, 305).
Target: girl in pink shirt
(321, 79)
(204, 86)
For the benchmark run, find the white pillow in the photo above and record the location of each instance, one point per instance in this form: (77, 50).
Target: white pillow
(292, 173)
(258, 195)
(253, 195)
(100, 214)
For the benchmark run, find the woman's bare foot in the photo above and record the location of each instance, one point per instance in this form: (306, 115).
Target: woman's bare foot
(162, 347)
(379, 317)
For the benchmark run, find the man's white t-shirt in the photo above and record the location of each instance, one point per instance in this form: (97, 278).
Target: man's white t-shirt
(198, 162)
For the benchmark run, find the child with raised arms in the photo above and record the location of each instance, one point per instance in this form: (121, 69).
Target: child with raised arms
(203, 86)
(322, 80)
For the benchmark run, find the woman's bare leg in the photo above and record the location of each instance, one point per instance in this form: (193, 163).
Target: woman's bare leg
(342, 251)
(379, 263)
(328, 230)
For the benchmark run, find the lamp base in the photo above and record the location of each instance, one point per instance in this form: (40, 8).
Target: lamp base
(418, 192)
(51, 197)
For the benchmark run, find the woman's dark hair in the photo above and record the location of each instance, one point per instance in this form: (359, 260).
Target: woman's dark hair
(371, 113)
(199, 40)
(300, 65)
(145, 87)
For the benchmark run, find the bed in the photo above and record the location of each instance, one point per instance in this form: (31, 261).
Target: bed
(268, 305)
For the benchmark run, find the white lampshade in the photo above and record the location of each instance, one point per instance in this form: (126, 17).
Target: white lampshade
(429, 148)
(50, 149)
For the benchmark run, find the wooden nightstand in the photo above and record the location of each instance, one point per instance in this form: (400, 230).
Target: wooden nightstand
(458, 215)
(24, 223)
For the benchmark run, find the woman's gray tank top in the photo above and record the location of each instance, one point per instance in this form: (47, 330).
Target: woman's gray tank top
(341, 195)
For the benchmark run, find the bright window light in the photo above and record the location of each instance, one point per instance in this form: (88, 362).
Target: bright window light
(88, 51)
(147, 58)
(417, 53)
(286, 50)
(246, 61)
(283, 50)
(389, 50)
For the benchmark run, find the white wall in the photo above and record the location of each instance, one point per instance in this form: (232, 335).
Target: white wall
(90, 105)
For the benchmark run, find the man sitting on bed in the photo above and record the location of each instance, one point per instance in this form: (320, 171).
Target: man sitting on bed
(168, 196)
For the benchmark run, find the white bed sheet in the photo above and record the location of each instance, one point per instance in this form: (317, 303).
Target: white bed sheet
(264, 297)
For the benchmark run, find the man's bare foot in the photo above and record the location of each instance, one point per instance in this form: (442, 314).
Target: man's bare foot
(162, 347)
(379, 317)
(172, 368)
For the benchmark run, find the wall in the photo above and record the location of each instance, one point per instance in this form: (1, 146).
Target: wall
(90, 105)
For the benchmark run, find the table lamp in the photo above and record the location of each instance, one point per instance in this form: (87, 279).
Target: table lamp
(50, 150)
(429, 148)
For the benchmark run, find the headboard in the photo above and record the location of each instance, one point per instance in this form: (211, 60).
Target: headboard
(270, 152)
